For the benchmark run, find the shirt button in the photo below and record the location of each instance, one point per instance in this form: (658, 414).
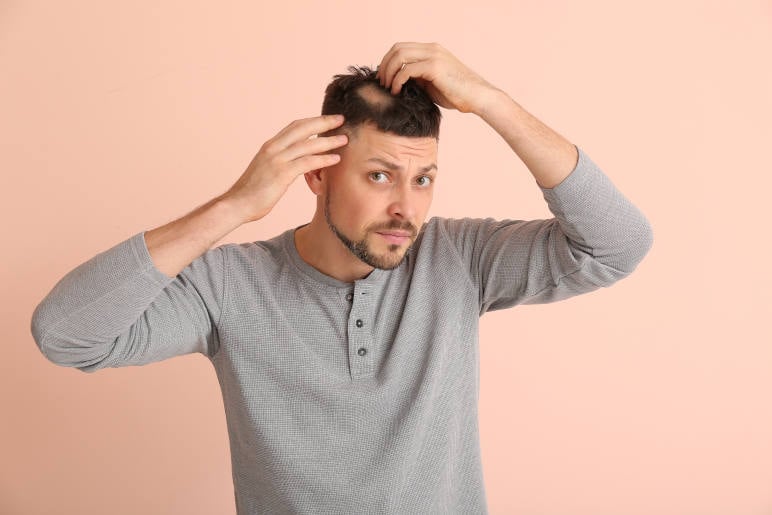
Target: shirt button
(362, 351)
(360, 323)
(349, 297)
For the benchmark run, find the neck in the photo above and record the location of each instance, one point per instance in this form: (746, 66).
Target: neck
(318, 246)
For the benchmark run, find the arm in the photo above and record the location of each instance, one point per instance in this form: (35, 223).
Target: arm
(548, 155)
(597, 236)
(280, 160)
(159, 293)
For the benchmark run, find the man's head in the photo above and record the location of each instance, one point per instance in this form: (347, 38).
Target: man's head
(376, 198)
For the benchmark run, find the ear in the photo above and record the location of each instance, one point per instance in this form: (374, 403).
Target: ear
(314, 179)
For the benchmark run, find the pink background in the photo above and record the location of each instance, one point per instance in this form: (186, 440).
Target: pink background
(651, 397)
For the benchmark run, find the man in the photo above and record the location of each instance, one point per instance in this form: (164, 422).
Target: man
(346, 349)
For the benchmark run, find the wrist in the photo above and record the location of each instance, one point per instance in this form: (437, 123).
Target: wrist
(232, 209)
(488, 101)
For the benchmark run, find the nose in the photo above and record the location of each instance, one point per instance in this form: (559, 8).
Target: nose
(402, 204)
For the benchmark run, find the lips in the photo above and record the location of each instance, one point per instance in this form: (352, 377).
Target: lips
(400, 234)
(395, 237)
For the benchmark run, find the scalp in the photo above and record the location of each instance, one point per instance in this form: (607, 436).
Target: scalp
(376, 97)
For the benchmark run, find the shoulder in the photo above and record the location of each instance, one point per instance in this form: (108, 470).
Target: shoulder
(454, 228)
(443, 236)
(255, 255)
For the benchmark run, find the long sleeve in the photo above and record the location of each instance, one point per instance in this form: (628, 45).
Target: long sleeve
(117, 309)
(596, 238)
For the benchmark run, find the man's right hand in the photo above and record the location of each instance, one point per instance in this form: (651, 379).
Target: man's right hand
(281, 159)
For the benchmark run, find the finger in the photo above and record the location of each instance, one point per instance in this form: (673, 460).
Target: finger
(407, 54)
(389, 56)
(385, 59)
(303, 129)
(394, 48)
(404, 56)
(307, 163)
(316, 145)
(419, 70)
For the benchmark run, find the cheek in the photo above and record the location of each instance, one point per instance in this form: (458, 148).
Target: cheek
(351, 208)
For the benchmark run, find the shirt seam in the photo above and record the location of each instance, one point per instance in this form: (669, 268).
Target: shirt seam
(145, 270)
(460, 259)
(224, 285)
(223, 300)
(579, 269)
(61, 320)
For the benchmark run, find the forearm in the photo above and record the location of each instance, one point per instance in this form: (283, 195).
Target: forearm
(548, 155)
(596, 237)
(145, 299)
(175, 245)
(127, 305)
(116, 309)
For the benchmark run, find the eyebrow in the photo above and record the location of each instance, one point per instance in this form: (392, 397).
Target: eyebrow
(394, 166)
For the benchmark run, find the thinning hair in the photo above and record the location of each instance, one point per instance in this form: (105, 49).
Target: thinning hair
(361, 99)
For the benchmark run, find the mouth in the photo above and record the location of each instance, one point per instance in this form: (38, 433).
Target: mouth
(395, 237)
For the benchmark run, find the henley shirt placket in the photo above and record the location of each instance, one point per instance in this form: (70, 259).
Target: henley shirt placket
(360, 331)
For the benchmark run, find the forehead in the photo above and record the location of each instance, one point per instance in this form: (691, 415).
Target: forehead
(367, 141)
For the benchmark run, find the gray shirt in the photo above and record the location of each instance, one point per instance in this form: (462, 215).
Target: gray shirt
(346, 397)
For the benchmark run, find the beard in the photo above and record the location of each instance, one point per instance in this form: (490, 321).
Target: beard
(361, 249)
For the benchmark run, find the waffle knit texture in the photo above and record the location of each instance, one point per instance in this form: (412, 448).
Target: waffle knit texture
(347, 397)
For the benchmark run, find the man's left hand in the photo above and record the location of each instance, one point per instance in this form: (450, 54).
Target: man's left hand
(448, 81)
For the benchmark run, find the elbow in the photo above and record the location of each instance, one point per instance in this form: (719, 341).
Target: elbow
(644, 240)
(60, 350)
(68, 354)
(636, 245)
(40, 330)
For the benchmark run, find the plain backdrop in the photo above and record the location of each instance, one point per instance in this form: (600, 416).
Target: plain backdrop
(649, 397)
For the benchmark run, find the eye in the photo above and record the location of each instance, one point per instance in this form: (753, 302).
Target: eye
(424, 180)
(378, 177)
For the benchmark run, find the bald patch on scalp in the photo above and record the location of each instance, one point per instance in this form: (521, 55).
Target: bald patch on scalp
(376, 97)
(379, 99)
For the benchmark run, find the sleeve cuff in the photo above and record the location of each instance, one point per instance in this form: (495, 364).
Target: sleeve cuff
(582, 164)
(142, 255)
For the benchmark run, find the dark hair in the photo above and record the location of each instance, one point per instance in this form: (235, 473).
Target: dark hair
(361, 99)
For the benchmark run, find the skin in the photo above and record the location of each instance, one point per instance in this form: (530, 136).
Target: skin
(358, 209)
(376, 198)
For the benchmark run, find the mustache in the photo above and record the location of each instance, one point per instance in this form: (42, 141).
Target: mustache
(396, 225)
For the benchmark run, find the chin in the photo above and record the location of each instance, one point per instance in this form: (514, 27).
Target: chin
(391, 258)
(391, 264)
